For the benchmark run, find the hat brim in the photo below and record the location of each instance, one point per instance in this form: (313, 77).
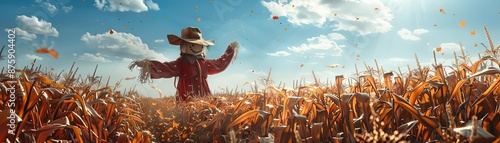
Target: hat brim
(176, 40)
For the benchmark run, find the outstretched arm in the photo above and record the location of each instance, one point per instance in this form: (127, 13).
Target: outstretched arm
(163, 70)
(150, 69)
(220, 64)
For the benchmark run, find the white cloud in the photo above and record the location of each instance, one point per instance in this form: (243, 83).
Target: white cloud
(93, 58)
(159, 40)
(130, 5)
(279, 53)
(29, 27)
(152, 5)
(321, 12)
(51, 8)
(67, 8)
(127, 60)
(122, 45)
(24, 34)
(420, 31)
(336, 36)
(320, 42)
(34, 25)
(32, 57)
(412, 36)
(450, 47)
(100, 4)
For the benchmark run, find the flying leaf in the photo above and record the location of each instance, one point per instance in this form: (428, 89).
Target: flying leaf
(335, 14)
(442, 54)
(435, 25)
(301, 65)
(376, 8)
(472, 32)
(462, 23)
(198, 19)
(275, 17)
(51, 52)
(357, 18)
(442, 11)
(251, 11)
(124, 27)
(130, 78)
(111, 31)
(438, 49)
(333, 65)
(196, 6)
(42, 50)
(356, 44)
(285, 29)
(475, 44)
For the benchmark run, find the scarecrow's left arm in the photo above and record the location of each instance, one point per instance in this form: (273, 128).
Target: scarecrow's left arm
(220, 64)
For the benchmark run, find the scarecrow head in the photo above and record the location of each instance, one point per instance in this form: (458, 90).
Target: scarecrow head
(191, 41)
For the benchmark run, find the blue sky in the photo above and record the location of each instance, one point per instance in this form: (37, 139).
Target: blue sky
(315, 33)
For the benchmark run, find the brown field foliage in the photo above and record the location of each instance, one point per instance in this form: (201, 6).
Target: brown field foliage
(425, 104)
(69, 110)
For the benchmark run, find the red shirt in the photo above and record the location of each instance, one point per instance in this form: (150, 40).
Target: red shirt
(192, 76)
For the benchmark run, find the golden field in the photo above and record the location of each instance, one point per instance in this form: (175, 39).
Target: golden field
(422, 104)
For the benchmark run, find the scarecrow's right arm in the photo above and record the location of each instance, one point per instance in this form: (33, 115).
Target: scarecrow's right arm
(164, 70)
(151, 69)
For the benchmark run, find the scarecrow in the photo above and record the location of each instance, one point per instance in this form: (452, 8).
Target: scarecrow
(191, 67)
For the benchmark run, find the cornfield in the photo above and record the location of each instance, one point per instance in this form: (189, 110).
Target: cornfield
(425, 104)
(69, 110)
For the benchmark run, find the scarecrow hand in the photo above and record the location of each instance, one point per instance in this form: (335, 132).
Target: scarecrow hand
(139, 63)
(144, 69)
(234, 45)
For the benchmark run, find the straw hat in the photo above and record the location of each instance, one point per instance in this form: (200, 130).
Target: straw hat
(191, 35)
